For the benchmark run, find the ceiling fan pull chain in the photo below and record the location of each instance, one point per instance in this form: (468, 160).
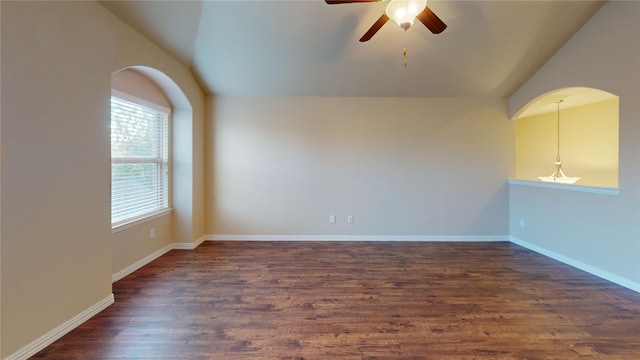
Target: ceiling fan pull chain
(404, 52)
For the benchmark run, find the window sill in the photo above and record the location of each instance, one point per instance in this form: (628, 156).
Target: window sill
(141, 219)
(567, 187)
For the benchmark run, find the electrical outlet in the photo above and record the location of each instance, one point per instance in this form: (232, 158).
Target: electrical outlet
(332, 219)
(522, 223)
(350, 219)
(152, 233)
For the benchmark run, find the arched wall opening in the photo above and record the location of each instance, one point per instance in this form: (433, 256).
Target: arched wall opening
(588, 135)
(156, 234)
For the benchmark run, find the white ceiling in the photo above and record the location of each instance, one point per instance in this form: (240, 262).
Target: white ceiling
(309, 48)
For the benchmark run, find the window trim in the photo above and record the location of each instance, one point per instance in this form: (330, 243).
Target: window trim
(129, 223)
(136, 220)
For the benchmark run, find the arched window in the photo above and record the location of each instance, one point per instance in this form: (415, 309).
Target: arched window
(140, 148)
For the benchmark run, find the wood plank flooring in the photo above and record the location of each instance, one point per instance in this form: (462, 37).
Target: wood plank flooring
(359, 300)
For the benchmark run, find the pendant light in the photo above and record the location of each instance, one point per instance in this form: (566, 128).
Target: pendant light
(558, 175)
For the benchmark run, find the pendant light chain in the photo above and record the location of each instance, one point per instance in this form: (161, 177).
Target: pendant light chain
(558, 175)
(404, 52)
(558, 130)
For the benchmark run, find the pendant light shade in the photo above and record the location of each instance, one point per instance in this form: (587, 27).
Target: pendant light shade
(558, 175)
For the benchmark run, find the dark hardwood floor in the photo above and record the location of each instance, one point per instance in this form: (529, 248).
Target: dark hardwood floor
(359, 300)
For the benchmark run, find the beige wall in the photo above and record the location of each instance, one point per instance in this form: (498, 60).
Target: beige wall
(57, 61)
(588, 141)
(599, 231)
(400, 166)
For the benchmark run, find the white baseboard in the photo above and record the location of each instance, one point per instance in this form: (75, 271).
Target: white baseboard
(140, 263)
(156, 254)
(632, 285)
(221, 237)
(189, 246)
(55, 334)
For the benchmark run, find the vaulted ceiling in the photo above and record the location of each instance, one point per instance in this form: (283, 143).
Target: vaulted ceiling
(310, 48)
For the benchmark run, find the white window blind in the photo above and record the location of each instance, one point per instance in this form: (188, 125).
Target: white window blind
(139, 161)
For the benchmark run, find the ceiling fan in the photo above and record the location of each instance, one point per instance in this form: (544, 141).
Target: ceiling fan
(403, 12)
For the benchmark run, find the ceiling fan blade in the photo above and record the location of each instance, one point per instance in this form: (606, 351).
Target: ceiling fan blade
(374, 29)
(431, 21)
(335, 2)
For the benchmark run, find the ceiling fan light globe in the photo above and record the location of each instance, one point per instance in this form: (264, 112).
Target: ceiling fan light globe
(404, 12)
